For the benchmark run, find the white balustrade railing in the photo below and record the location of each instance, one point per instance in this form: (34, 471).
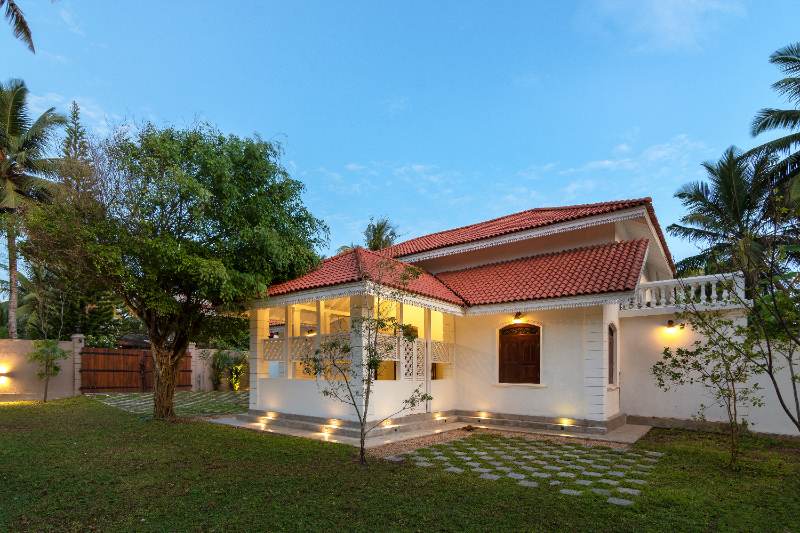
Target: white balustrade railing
(301, 348)
(442, 352)
(704, 290)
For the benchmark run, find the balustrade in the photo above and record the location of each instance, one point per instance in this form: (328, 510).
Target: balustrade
(703, 290)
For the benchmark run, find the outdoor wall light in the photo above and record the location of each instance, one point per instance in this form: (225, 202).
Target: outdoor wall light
(518, 318)
(311, 333)
(483, 415)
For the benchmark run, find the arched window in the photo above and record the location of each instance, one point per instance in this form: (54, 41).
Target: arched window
(612, 355)
(520, 347)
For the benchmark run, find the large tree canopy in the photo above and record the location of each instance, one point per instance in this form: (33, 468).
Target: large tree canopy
(182, 223)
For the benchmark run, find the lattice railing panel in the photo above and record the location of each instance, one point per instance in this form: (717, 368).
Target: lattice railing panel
(441, 352)
(387, 347)
(301, 348)
(419, 359)
(274, 350)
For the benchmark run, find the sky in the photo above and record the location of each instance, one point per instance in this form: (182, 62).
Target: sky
(435, 114)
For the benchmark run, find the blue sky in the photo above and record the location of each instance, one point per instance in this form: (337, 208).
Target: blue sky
(437, 114)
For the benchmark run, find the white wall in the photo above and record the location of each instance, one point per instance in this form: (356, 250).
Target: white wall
(562, 365)
(642, 342)
(21, 384)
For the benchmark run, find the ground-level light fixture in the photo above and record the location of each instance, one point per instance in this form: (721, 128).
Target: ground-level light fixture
(3, 371)
(670, 325)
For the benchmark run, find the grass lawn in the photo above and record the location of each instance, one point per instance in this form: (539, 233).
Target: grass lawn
(80, 465)
(187, 404)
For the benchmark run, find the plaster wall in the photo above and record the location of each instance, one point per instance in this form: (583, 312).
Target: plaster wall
(564, 364)
(642, 342)
(21, 382)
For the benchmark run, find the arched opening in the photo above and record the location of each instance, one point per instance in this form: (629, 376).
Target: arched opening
(520, 354)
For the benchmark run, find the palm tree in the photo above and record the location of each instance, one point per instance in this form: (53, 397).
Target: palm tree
(380, 234)
(346, 248)
(16, 18)
(23, 163)
(724, 215)
(788, 61)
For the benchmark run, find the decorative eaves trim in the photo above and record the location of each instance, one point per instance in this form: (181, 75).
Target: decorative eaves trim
(365, 288)
(627, 214)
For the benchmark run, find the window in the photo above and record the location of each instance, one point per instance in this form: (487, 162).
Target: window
(612, 356)
(520, 347)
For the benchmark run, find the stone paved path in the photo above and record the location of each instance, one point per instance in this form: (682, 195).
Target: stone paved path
(188, 404)
(615, 475)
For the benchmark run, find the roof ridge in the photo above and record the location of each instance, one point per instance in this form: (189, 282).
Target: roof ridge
(596, 204)
(580, 248)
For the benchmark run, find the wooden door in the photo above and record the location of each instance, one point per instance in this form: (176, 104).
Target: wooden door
(520, 347)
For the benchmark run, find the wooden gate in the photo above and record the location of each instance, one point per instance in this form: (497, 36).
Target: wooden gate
(109, 370)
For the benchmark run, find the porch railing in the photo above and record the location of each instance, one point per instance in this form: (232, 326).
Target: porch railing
(703, 290)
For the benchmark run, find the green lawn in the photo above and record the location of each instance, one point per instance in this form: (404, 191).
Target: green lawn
(187, 404)
(80, 465)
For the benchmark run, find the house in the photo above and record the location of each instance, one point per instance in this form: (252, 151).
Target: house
(551, 318)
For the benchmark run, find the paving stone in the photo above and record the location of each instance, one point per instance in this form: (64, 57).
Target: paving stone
(413, 452)
(593, 474)
(459, 453)
(423, 463)
(529, 456)
(504, 469)
(601, 467)
(454, 469)
(481, 453)
(637, 481)
(563, 462)
(513, 475)
(437, 453)
(478, 469)
(556, 483)
(565, 474)
(646, 466)
(394, 458)
(608, 481)
(627, 460)
(466, 458)
(530, 468)
(640, 472)
(615, 473)
(495, 463)
(576, 467)
(509, 457)
(491, 477)
(602, 492)
(649, 460)
(655, 454)
(540, 474)
(620, 501)
(519, 463)
(632, 492)
(442, 458)
(584, 481)
(571, 492)
(528, 484)
(473, 464)
(498, 452)
(551, 467)
(587, 461)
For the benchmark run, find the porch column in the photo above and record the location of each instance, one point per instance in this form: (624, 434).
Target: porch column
(259, 330)
(359, 308)
(320, 314)
(427, 326)
(596, 372)
(398, 368)
(288, 313)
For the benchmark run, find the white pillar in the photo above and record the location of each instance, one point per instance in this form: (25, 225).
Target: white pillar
(359, 308)
(289, 327)
(398, 368)
(77, 345)
(320, 312)
(427, 325)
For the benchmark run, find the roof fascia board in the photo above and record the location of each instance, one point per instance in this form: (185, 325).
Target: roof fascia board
(550, 303)
(660, 245)
(596, 220)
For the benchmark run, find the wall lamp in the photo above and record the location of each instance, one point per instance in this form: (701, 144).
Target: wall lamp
(518, 318)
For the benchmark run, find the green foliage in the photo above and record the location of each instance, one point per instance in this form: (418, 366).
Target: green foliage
(721, 363)
(231, 331)
(182, 224)
(239, 364)
(380, 234)
(47, 353)
(19, 26)
(226, 359)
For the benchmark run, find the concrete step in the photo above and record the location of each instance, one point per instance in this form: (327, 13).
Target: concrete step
(528, 424)
(346, 428)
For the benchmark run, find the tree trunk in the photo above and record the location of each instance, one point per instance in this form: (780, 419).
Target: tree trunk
(46, 381)
(12, 283)
(166, 370)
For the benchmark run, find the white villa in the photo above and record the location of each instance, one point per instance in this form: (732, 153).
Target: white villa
(551, 318)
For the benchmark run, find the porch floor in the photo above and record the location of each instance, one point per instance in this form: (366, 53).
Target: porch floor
(627, 434)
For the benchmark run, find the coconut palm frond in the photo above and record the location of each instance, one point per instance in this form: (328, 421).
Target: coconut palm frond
(19, 26)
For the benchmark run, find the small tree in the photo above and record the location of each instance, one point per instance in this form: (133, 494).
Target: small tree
(718, 364)
(47, 353)
(239, 363)
(349, 370)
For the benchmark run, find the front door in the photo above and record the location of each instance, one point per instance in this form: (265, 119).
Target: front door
(520, 347)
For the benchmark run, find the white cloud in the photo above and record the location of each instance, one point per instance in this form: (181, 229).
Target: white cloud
(69, 18)
(397, 104)
(40, 104)
(353, 166)
(621, 149)
(533, 172)
(660, 25)
(576, 187)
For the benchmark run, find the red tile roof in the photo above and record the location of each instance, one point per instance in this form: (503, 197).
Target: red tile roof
(582, 271)
(360, 264)
(532, 218)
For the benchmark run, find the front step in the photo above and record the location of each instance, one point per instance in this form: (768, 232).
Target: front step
(345, 428)
(522, 424)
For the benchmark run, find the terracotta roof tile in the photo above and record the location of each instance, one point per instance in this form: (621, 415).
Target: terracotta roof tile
(596, 269)
(530, 219)
(360, 264)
